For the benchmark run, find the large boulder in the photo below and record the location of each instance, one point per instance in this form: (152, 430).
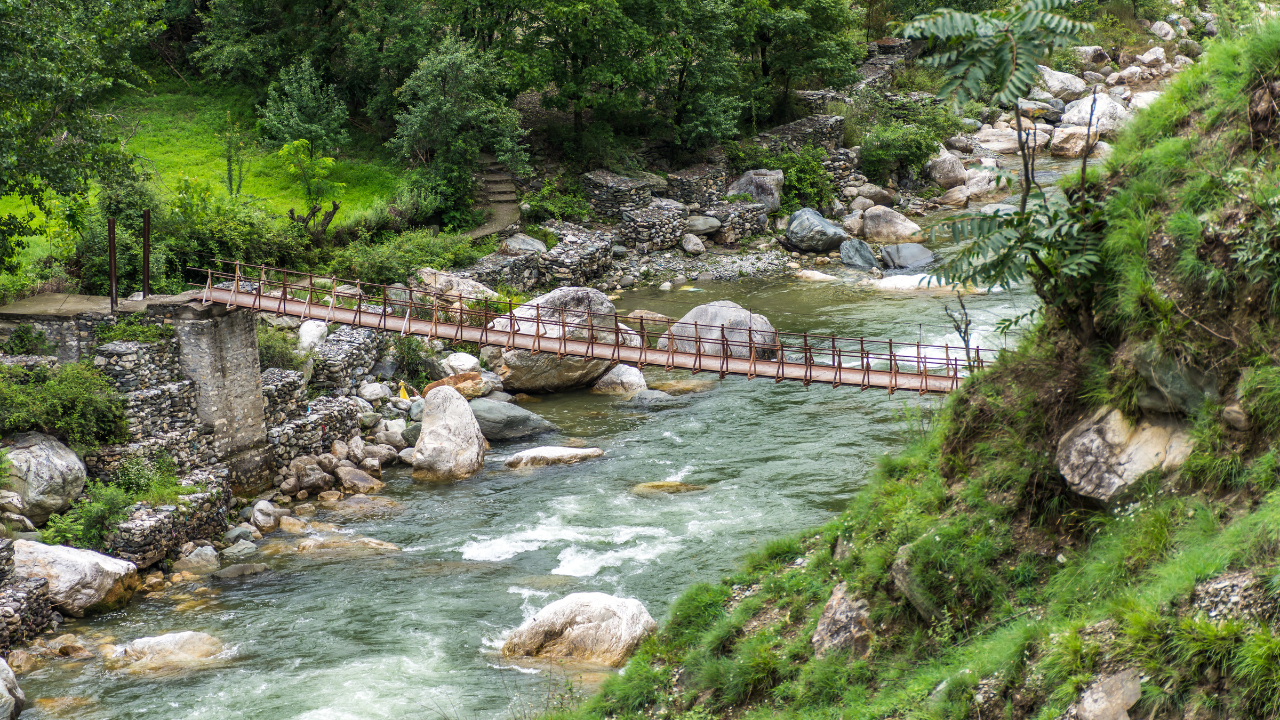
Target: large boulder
(355, 480)
(1064, 86)
(592, 627)
(460, 362)
(886, 225)
(1103, 455)
(522, 371)
(1142, 100)
(46, 474)
(808, 231)
(81, 582)
(311, 333)
(1071, 142)
(448, 287)
(947, 170)
(764, 187)
(906, 255)
(856, 253)
(702, 225)
(705, 329)
(1110, 697)
(169, 653)
(521, 244)
(12, 700)
(845, 624)
(1163, 30)
(507, 421)
(1109, 115)
(1173, 386)
(621, 380)
(451, 445)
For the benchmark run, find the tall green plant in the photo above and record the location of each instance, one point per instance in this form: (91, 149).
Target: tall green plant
(300, 107)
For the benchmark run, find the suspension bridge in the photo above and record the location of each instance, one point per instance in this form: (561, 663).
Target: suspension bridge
(725, 350)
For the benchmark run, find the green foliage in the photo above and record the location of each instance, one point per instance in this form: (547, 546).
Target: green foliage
(236, 146)
(919, 78)
(892, 146)
(72, 401)
(309, 171)
(300, 107)
(153, 481)
(393, 260)
(413, 361)
(56, 57)
(91, 519)
(806, 182)
(557, 199)
(278, 348)
(135, 328)
(26, 340)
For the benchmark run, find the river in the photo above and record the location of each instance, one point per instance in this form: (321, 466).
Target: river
(415, 634)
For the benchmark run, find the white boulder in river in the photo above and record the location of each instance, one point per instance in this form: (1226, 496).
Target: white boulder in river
(706, 328)
(451, 445)
(621, 380)
(45, 473)
(578, 307)
(551, 455)
(886, 225)
(12, 701)
(168, 653)
(81, 582)
(593, 627)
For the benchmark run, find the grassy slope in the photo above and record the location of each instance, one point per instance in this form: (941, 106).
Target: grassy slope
(1019, 569)
(177, 136)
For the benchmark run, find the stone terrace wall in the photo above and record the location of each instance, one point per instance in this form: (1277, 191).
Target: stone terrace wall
(738, 220)
(28, 362)
(699, 185)
(152, 534)
(327, 419)
(138, 366)
(611, 194)
(581, 255)
(842, 166)
(25, 611)
(284, 395)
(345, 358)
(825, 131)
(189, 447)
(522, 272)
(653, 228)
(815, 102)
(160, 410)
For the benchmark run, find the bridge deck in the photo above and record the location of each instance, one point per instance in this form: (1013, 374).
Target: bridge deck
(844, 368)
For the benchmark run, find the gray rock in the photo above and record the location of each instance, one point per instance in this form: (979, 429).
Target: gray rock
(369, 420)
(876, 194)
(845, 624)
(692, 244)
(242, 570)
(907, 582)
(236, 534)
(947, 170)
(242, 549)
(1040, 110)
(521, 244)
(1063, 86)
(1163, 30)
(201, 561)
(856, 253)
(702, 225)
(958, 143)
(706, 328)
(906, 255)
(451, 445)
(507, 421)
(81, 582)
(1110, 697)
(619, 251)
(1174, 387)
(808, 231)
(886, 225)
(1103, 455)
(764, 186)
(1190, 48)
(653, 398)
(522, 371)
(12, 700)
(415, 410)
(46, 474)
(393, 438)
(498, 396)
(410, 433)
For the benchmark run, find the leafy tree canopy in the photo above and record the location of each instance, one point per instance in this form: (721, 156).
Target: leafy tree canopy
(300, 107)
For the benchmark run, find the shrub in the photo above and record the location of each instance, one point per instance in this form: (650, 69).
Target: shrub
(557, 199)
(91, 519)
(26, 340)
(135, 328)
(394, 260)
(153, 481)
(806, 182)
(891, 146)
(278, 349)
(74, 402)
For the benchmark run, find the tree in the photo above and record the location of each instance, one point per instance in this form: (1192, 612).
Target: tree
(56, 58)
(310, 171)
(1002, 48)
(300, 107)
(236, 144)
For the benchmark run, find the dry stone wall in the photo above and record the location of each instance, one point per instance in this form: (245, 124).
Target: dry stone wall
(824, 131)
(344, 359)
(653, 228)
(284, 395)
(153, 533)
(581, 256)
(700, 185)
(25, 610)
(738, 220)
(327, 419)
(611, 194)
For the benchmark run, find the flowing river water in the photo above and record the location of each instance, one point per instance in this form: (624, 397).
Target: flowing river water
(415, 634)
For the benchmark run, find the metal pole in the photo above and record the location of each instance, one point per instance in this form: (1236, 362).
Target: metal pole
(146, 253)
(111, 261)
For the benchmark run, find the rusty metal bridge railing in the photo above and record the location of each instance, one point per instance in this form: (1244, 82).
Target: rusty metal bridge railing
(725, 350)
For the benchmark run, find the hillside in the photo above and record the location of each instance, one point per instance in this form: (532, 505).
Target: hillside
(1082, 529)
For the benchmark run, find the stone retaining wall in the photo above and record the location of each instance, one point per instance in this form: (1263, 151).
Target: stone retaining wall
(581, 255)
(28, 362)
(344, 359)
(25, 611)
(137, 366)
(154, 533)
(842, 166)
(815, 102)
(159, 410)
(825, 131)
(284, 395)
(738, 221)
(611, 194)
(699, 185)
(189, 447)
(522, 272)
(653, 228)
(327, 419)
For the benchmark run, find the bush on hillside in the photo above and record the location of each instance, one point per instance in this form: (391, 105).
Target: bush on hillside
(278, 348)
(73, 402)
(26, 340)
(135, 328)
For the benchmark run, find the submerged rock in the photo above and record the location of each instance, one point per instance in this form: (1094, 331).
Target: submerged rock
(201, 561)
(664, 487)
(506, 421)
(592, 627)
(170, 653)
(540, 456)
(244, 570)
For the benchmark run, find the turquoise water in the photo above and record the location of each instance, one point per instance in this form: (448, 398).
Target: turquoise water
(415, 634)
